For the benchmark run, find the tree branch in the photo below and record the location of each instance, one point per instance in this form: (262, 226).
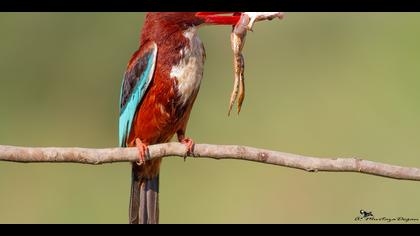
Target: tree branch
(110, 155)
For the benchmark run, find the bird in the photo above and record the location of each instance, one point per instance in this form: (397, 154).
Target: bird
(159, 87)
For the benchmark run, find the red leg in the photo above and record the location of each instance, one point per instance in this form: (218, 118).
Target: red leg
(188, 142)
(143, 149)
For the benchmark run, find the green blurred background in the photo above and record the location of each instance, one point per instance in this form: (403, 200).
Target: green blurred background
(320, 84)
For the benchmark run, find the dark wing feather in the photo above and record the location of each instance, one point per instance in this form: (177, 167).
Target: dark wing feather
(136, 80)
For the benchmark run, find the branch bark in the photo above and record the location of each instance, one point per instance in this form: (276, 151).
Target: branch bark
(110, 155)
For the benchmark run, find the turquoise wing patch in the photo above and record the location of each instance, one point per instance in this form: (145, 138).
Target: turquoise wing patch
(133, 88)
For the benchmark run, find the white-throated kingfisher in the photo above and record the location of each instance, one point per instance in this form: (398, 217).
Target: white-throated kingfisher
(160, 85)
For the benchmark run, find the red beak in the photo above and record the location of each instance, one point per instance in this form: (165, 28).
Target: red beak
(216, 18)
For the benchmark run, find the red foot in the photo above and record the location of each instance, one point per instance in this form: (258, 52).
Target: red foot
(143, 149)
(189, 143)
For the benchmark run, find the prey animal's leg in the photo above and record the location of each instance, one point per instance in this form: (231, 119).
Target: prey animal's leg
(260, 16)
(237, 40)
(143, 150)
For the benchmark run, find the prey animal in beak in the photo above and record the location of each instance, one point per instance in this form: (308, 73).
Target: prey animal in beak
(237, 40)
(241, 22)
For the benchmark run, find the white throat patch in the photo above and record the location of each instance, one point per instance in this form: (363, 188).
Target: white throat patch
(189, 71)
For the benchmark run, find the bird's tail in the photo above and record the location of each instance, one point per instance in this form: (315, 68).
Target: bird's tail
(144, 196)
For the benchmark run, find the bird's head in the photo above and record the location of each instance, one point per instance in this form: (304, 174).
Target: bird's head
(164, 26)
(185, 20)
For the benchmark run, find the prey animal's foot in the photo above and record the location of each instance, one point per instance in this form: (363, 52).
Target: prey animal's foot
(260, 16)
(143, 150)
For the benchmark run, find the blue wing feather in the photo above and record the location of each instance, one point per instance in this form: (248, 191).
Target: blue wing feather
(130, 102)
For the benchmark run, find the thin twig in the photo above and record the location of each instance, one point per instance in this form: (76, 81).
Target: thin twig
(110, 155)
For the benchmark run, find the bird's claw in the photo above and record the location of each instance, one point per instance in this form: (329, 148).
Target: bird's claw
(189, 143)
(143, 151)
